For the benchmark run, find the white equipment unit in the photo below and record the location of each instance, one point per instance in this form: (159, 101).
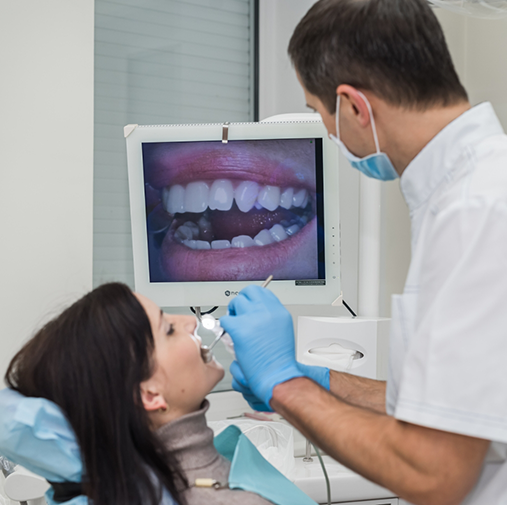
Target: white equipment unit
(25, 486)
(359, 345)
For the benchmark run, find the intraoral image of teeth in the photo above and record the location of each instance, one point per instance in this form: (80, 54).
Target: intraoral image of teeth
(239, 211)
(227, 214)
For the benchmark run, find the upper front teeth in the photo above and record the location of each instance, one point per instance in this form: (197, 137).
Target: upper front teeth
(197, 196)
(246, 195)
(286, 198)
(300, 198)
(221, 195)
(174, 199)
(269, 197)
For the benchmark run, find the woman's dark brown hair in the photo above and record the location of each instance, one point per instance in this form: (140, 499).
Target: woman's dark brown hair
(90, 361)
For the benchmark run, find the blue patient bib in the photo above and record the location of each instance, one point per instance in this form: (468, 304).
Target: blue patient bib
(35, 434)
(251, 472)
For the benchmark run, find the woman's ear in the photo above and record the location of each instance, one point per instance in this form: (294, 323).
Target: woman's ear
(151, 397)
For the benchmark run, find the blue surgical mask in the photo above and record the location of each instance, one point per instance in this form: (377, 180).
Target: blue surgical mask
(377, 165)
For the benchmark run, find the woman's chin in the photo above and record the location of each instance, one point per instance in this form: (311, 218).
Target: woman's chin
(220, 371)
(215, 365)
(216, 373)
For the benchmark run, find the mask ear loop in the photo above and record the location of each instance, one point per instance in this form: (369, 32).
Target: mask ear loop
(337, 113)
(373, 127)
(372, 120)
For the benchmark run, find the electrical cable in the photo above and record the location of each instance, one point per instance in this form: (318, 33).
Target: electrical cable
(328, 485)
(349, 309)
(210, 311)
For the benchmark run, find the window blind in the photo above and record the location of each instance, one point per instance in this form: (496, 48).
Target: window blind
(160, 62)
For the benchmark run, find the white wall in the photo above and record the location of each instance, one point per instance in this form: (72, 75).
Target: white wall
(46, 162)
(485, 70)
(479, 51)
(280, 92)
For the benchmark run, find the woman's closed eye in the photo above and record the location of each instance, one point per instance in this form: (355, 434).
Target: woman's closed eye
(163, 322)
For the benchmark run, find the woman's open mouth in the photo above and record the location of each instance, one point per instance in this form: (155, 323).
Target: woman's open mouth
(220, 213)
(225, 213)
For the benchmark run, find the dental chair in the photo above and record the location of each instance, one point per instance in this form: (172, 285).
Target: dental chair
(36, 435)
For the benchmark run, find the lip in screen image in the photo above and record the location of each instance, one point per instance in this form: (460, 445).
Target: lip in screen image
(236, 211)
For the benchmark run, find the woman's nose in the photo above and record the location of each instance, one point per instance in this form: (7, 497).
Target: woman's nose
(191, 326)
(190, 323)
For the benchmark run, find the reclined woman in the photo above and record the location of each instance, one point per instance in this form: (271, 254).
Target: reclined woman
(132, 384)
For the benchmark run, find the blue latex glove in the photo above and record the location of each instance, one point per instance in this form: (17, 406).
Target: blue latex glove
(239, 384)
(263, 335)
(318, 374)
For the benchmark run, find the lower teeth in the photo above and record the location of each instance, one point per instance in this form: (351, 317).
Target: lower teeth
(200, 235)
(220, 244)
(197, 244)
(188, 234)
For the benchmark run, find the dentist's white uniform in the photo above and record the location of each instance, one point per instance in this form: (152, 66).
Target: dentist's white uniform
(448, 364)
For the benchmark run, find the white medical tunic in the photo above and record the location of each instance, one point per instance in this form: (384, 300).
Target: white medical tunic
(448, 356)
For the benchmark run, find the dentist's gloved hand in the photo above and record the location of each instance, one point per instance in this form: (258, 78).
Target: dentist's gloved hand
(240, 385)
(263, 335)
(318, 374)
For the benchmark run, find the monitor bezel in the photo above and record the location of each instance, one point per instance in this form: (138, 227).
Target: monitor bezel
(184, 294)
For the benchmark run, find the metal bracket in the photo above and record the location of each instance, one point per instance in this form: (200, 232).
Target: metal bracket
(338, 301)
(225, 132)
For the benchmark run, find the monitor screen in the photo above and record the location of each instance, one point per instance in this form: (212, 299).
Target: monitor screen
(210, 216)
(236, 211)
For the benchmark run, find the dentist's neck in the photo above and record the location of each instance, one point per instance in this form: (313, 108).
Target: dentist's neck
(403, 133)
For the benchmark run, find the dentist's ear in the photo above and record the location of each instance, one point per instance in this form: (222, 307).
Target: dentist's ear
(353, 105)
(153, 401)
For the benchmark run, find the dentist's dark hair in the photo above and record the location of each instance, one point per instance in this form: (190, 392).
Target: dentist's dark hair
(393, 48)
(90, 361)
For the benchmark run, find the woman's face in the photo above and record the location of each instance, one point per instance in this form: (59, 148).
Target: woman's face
(180, 379)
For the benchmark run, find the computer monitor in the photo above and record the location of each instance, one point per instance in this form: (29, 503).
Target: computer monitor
(216, 207)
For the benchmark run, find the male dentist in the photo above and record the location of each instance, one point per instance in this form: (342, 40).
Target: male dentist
(380, 75)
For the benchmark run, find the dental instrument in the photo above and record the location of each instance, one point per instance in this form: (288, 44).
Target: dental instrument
(212, 324)
(266, 282)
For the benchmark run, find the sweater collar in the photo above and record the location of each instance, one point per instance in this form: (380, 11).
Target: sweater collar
(190, 439)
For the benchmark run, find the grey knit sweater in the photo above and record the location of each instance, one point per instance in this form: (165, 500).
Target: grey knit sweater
(191, 440)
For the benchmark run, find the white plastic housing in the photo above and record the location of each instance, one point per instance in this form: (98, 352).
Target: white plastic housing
(23, 485)
(368, 336)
